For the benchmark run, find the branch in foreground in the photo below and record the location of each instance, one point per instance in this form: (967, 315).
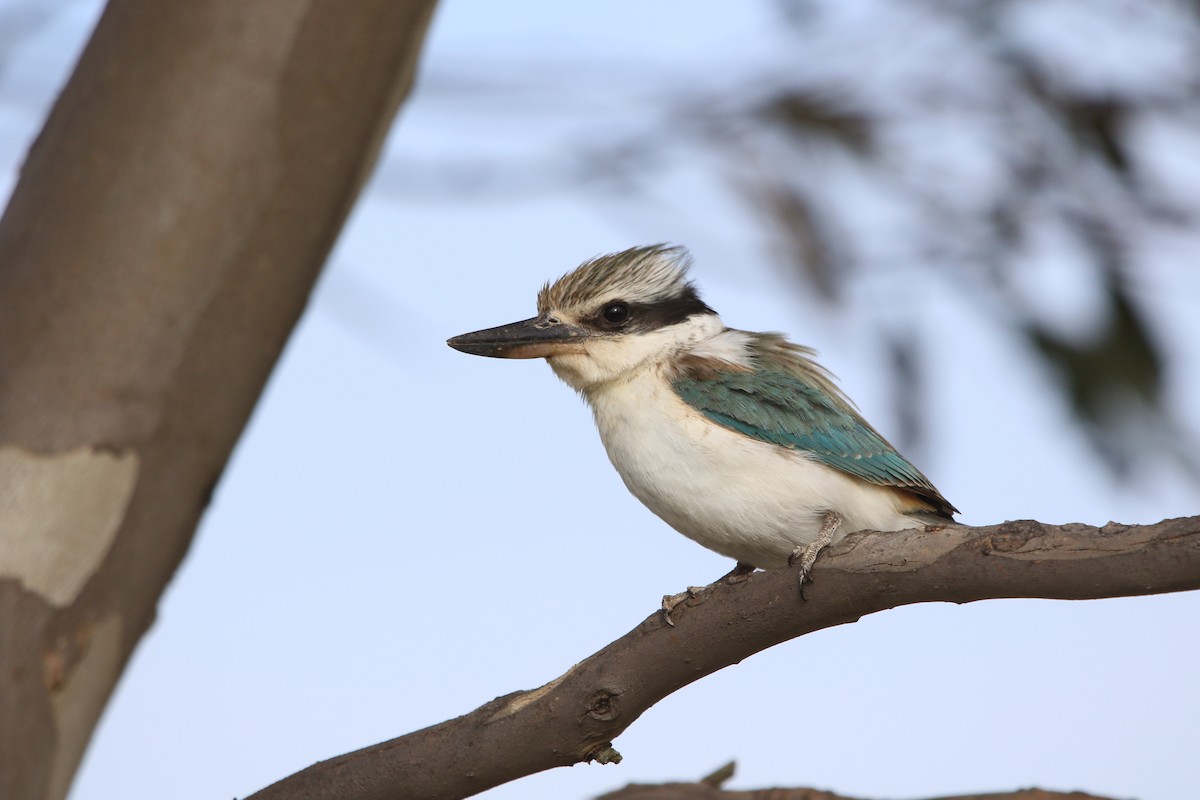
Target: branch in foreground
(575, 717)
(709, 788)
(703, 791)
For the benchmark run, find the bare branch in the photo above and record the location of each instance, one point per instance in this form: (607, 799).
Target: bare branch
(575, 717)
(701, 791)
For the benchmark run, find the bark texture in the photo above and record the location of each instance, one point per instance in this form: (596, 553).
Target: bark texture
(702, 791)
(575, 717)
(163, 239)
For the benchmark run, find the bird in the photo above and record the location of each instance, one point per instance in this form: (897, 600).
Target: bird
(740, 441)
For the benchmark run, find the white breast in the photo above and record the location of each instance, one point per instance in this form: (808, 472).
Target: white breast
(746, 499)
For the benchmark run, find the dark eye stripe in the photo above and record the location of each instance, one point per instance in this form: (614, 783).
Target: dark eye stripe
(650, 316)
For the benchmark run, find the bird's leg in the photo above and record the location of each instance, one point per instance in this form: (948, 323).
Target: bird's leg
(671, 601)
(807, 556)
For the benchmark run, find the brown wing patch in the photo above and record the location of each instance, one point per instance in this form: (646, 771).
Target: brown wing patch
(704, 368)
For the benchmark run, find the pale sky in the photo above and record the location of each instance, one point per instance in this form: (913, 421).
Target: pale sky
(405, 532)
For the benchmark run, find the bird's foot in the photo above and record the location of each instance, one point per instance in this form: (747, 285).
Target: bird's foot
(806, 556)
(672, 601)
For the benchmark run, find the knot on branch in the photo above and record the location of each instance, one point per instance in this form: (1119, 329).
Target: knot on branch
(1009, 541)
(604, 705)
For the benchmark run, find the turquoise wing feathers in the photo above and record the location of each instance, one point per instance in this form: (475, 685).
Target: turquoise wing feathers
(784, 409)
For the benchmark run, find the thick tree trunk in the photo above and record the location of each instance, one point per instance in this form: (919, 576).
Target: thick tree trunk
(161, 243)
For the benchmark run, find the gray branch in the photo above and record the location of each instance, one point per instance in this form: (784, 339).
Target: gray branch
(575, 717)
(703, 791)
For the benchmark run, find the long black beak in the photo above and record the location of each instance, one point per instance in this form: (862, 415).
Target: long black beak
(530, 338)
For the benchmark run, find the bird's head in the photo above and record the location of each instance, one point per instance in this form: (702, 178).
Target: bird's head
(608, 318)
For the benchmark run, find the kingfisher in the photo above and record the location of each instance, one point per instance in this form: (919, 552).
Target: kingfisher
(738, 440)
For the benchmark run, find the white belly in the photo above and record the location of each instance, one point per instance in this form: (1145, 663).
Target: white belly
(746, 499)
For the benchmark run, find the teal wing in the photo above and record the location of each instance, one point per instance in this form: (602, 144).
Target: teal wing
(784, 409)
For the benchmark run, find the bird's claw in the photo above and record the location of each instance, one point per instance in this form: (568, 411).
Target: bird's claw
(804, 557)
(670, 602)
(805, 577)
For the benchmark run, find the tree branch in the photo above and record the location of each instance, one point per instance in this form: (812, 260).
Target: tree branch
(702, 791)
(575, 717)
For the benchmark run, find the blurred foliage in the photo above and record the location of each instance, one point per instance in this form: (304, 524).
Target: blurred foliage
(1081, 165)
(981, 145)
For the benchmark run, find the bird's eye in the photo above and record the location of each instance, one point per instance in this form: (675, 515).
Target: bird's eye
(615, 312)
